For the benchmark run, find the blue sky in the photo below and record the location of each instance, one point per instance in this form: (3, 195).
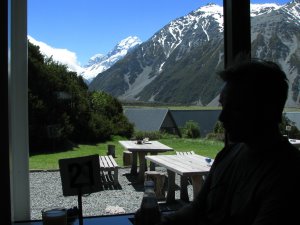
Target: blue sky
(88, 27)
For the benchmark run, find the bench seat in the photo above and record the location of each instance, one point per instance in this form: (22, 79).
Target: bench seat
(187, 165)
(108, 164)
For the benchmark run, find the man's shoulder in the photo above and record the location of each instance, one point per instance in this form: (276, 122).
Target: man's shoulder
(291, 157)
(291, 150)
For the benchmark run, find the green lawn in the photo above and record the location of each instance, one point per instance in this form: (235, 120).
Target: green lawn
(49, 161)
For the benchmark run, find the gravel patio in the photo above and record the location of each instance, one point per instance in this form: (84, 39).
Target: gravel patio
(46, 191)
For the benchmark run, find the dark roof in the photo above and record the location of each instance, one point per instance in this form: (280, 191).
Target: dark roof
(151, 119)
(146, 119)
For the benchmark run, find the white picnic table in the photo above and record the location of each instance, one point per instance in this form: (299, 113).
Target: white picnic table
(194, 166)
(141, 150)
(295, 142)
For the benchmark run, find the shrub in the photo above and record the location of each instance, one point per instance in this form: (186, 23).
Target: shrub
(99, 128)
(218, 129)
(166, 135)
(123, 127)
(218, 132)
(152, 135)
(192, 129)
(216, 136)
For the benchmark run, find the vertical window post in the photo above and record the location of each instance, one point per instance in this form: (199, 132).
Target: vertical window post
(5, 206)
(18, 111)
(237, 29)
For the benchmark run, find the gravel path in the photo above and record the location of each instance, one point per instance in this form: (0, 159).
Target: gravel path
(46, 191)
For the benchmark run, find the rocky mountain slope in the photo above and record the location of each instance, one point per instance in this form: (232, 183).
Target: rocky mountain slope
(178, 63)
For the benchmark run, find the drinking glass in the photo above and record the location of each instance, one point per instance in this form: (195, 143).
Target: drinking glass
(54, 216)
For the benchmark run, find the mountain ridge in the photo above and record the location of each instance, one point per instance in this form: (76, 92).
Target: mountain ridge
(178, 63)
(96, 64)
(99, 62)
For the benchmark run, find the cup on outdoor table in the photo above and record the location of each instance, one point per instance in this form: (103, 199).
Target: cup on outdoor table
(208, 161)
(139, 142)
(146, 139)
(54, 216)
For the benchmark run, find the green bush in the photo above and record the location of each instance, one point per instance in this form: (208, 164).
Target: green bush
(123, 127)
(192, 129)
(165, 135)
(218, 129)
(108, 106)
(152, 135)
(218, 132)
(99, 128)
(215, 136)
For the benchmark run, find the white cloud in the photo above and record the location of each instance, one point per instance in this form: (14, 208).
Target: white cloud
(63, 56)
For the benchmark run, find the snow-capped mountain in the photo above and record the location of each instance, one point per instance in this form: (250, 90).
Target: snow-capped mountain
(96, 64)
(99, 63)
(94, 60)
(178, 63)
(259, 9)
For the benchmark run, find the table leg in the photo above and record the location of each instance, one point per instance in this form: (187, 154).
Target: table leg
(152, 164)
(197, 182)
(143, 166)
(133, 170)
(171, 187)
(183, 189)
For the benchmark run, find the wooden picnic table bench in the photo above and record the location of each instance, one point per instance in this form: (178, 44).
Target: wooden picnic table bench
(141, 150)
(185, 153)
(108, 164)
(186, 165)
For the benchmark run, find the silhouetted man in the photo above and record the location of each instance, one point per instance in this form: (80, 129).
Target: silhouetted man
(255, 179)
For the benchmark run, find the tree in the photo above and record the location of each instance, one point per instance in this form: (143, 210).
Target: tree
(109, 106)
(61, 108)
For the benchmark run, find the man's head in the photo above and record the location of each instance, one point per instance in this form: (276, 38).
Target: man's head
(253, 97)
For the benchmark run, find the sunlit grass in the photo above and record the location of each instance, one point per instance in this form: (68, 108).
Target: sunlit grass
(48, 161)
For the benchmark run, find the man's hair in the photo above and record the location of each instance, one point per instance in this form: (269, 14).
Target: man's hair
(261, 81)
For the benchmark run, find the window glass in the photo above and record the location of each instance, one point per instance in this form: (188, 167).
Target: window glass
(274, 35)
(275, 30)
(90, 60)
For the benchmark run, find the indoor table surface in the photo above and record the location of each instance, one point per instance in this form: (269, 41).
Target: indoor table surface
(124, 219)
(118, 219)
